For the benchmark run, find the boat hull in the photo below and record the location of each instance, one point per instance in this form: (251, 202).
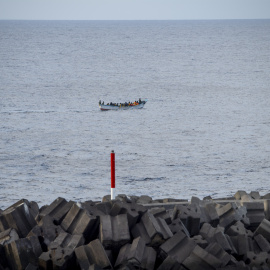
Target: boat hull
(115, 108)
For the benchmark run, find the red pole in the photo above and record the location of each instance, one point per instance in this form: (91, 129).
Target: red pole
(112, 174)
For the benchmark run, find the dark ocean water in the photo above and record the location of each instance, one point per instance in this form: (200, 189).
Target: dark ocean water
(205, 129)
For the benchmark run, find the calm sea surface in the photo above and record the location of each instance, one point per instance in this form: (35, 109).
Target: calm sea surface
(205, 129)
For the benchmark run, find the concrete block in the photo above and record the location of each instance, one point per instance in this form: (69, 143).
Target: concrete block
(104, 207)
(46, 230)
(134, 211)
(144, 199)
(19, 218)
(200, 241)
(59, 258)
(66, 240)
(201, 259)
(208, 232)
(264, 229)
(122, 198)
(239, 194)
(32, 206)
(216, 250)
(91, 208)
(255, 213)
(57, 210)
(136, 254)
(210, 213)
(263, 244)
(255, 195)
(237, 229)
(242, 243)
(21, 252)
(8, 236)
(216, 235)
(170, 264)
(190, 216)
(260, 260)
(160, 212)
(156, 228)
(179, 247)
(78, 221)
(139, 231)
(177, 225)
(267, 209)
(92, 254)
(114, 231)
(230, 214)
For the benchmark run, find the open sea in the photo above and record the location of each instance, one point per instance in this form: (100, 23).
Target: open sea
(205, 129)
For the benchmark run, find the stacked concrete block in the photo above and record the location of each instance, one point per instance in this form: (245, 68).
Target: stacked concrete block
(255, 213)
(177, 225)
(160, 212)
(237, 229)
(136, 255)
(121, 234)
(264, 229)
(178, 247)
(92, 254)
(114, 231)
(21, 252)
(170, 264)
(47, 231)
(262, 243)
(201, 259)
(57, 210)
(79, 221)
(61, 252)
(134, 211)
(257, 261)
(18, 217)
(8, 236)
(190, 215)
(154, 228)
(216, 235)
(231, 213)
(216, 250)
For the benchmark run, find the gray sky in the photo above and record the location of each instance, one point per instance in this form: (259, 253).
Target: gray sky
(133, 9)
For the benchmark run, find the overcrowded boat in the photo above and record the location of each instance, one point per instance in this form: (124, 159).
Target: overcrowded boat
(138, 104)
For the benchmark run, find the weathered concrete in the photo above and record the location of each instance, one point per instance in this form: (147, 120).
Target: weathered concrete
(136, 255)
(57, 210)
(92, 254)
(264, 229)
(201, 234)
(79, 221)
(190, 215)
(19, 218)
(21, 252)
(201, 259)
(46, 230)
(134, 211)
(179, 247)
(114, 231)
(156, 228)
(8, 236)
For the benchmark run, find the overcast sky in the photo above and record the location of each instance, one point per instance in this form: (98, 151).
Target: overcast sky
(133, 9)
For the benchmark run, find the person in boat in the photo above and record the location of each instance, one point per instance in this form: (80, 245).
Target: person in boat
(103, 103)
(140, 101)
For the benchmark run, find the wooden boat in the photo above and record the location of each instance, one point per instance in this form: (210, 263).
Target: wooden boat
(122, 106)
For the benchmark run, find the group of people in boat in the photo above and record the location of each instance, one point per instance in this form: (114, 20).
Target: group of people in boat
(136, 102)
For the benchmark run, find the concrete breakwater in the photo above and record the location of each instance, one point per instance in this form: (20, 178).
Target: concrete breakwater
(138, 233)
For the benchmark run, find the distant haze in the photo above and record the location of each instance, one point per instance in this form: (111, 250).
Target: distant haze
(133, 9)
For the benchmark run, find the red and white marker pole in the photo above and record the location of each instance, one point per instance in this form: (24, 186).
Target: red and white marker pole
(112, 175)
